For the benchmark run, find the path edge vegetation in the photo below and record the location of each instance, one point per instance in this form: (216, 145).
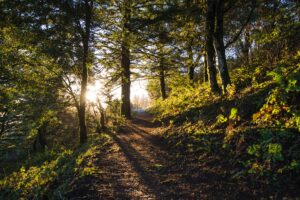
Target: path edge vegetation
(223, 78)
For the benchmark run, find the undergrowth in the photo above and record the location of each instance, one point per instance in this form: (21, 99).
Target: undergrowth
(52, 177)
(253, 130)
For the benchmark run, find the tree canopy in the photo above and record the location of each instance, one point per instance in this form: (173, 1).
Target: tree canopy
(209, 67)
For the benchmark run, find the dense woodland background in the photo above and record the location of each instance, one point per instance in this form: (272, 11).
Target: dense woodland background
(223, 79)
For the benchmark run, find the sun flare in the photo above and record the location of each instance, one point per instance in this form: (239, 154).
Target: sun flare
(92, 94)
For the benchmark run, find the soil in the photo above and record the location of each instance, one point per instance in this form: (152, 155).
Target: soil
(139, 165)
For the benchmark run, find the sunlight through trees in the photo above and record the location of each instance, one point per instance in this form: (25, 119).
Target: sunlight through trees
(211, 86)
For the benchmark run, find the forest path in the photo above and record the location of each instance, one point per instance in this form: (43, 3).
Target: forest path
(140, 166)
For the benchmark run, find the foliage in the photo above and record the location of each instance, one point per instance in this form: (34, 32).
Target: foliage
(254, 129)
(49, 47)
(182, 97)
(221, 119)
(50, 178)
(281, 108)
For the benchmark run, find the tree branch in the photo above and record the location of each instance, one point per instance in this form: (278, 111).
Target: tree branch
(233, 40)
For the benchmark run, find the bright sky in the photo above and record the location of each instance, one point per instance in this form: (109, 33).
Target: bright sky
(93, 92)
(138, 88)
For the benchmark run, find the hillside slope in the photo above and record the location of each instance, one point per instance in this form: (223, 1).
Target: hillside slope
(250, 135)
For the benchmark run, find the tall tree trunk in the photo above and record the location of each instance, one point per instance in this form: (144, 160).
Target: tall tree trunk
(219, 45)
(191, 63)
(102, 120)
(162, 80)
(246, 46)
(125, 63)
(191, 66)
(125, 96)
(205, 68)
(210, 22)
(84, 72)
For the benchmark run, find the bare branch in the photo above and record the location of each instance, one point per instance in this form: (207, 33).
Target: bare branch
(234, 39)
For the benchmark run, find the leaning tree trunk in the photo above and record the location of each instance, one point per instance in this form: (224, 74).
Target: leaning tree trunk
(219, 45)
(125, 63)
(210, 21)
(84, 73)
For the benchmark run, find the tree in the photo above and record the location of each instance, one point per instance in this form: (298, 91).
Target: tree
(125, 61)
(85, 35)
(209, 33)
(219, 44)
(84, 23)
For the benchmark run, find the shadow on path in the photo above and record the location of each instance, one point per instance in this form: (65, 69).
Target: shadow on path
(139, 166)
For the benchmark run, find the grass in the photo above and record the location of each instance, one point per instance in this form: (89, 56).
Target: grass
(252, 132)
(51, 178)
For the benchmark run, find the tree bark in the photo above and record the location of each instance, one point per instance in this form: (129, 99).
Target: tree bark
(205, 68)
(219, 45)
(191, 63)
(125, 63)
(210, 22)
(84, 73)
(247, 46)
(40, 141)
(125, 96)
(162, 81)
(102, 120)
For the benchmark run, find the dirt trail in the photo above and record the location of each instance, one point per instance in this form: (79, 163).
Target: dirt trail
(139, 166)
